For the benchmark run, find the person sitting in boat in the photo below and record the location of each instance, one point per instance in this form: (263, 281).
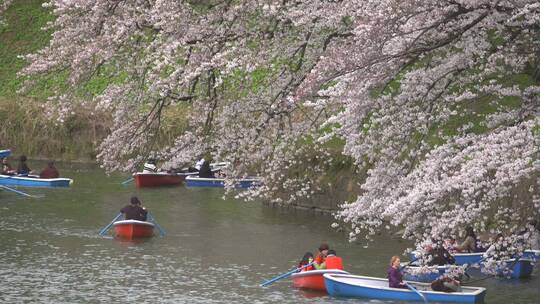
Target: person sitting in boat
(469, 243)
(306, 260)
(134, 211)
(150, 166)
(50, 171)
(321, 256)
(205, 170)
(395, 277)
(446, 284)
(23, 169)
(6, 168)
(333, 261)
(199, 164)
(438, 255)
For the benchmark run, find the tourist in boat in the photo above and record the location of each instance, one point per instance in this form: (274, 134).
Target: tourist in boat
(50, 171)
(199, 164)
(438, 255)
(306, 260)
(446, 284)
(395, 277)
(321, 256)
(6, 167)
(23, 169)
(150, 166)
(205, 170)
(333, 261)
(134, 210)
(469, 243)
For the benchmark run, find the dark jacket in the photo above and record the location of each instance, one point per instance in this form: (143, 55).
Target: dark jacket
(23, 169)
(134, 212)
(205, 170)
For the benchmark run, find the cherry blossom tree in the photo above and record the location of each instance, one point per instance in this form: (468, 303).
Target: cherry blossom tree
(437, 101)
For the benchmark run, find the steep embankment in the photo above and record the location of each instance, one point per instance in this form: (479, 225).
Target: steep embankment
(25, 127)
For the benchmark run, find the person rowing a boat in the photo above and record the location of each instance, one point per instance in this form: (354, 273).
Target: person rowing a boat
(395, 277)
(134, 211)
(306, 260)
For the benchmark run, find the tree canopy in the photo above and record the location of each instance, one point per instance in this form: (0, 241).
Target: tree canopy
(437, 100)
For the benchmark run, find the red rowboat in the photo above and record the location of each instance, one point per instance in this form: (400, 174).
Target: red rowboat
(313, 279)
(130, 229)
(160, 179)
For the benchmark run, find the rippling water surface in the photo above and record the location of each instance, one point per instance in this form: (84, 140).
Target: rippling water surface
(215, 250)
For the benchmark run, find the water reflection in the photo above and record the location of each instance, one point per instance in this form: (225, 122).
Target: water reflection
(215, 251)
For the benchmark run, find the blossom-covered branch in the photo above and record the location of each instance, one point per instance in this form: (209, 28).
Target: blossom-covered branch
(438, 101)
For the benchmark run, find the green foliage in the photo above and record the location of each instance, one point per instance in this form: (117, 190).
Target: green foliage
(22, 34)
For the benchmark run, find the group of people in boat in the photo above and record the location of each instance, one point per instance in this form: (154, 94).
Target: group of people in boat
(440, 254)
(326, 258)
(49, 171)
(202, 166)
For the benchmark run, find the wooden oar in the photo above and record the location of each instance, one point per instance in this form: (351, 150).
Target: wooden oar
(106, 228)
(417, 292)
(20, 192)
(282, 276)
(153, 220)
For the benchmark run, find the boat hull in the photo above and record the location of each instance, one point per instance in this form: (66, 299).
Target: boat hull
(131, 229)
(313, 279)
(5, 153)
(339, 285)
(159, 179)
(22, 181)
(521, 269)
(194, 181)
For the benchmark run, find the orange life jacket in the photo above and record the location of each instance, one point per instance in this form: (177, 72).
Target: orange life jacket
(334, 262)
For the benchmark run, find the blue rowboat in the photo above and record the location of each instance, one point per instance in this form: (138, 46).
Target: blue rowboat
(194, 181)
(4, 153)
(34, 181)
(523, 268)
(353, 286)
(476, 257)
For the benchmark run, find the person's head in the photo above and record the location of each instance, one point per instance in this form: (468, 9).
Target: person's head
(469, 231)
(22, 158)
(50, 164)
(331, 252)
(151, 161)
(135, 200)
(4, 160)
(323, 248)
(306, 258)
(394, 261)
